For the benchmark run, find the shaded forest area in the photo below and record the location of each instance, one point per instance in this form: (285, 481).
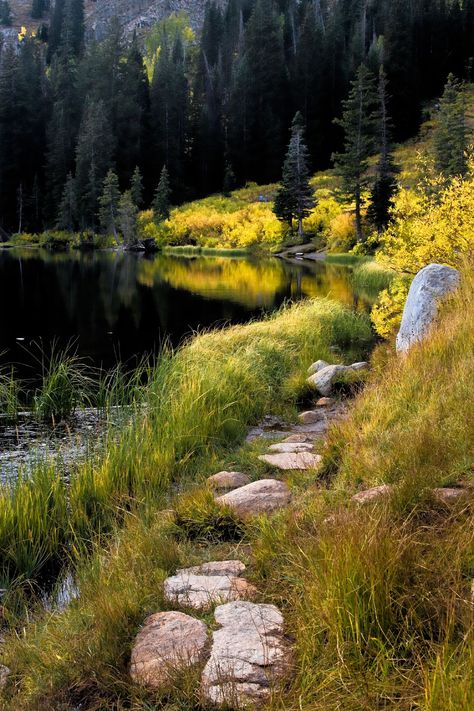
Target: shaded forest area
(216, 110)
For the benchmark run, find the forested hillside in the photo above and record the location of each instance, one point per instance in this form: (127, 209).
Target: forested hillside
(214, 106)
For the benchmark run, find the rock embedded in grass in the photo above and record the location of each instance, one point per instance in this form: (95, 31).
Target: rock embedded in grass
(316, 367)
(325, 379)
(449, 495)
(226, 481)
(263, 496)
(297, 461)
(325, 402)
(202, 586)
(169, 643)
(4, 674)
(309, 417)
(249, 656)
(373, 494)
(291, 447)
(431, 284)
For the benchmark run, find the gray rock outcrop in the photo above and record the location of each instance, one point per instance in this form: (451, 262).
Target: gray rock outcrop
(429, 286)
(249, 655)
(323, 380)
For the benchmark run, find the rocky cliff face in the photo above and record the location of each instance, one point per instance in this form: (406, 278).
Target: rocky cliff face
(139, 14)
(132, 14)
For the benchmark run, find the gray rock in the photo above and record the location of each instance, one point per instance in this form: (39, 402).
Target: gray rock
(225, 481)
(298, 461)
(324, 379)
(249, 655)
(291, 447)
(169, 643)
(325, 402)
(373, 494)
(363, 365)
(264, 496)
(297, 439)
(429, 286)
(4, 674)
(202, 586)
(310, 416)
(449, 495)
(316, 367)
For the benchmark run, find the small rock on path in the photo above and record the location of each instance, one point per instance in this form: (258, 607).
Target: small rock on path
(373, 494)
(169, 643)
(263, 496)
(202, 586)
(292, 461)
(249, 655)
(226, 481)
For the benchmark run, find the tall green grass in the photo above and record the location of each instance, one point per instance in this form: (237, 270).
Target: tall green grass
(198, 400)
(372, 277)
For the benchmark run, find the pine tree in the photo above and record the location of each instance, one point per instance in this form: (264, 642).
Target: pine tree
(109, 204)
(93, 160)
(136, 188)
(385, 184)
(67, 213)
(161, 202)
(295, 197)
(358, 122)
(127, 218)
(450, 135)
(229, 180)
(6, 17)
(37, 9)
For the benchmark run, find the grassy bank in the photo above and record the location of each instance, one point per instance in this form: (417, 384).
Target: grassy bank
(376, 599)
(198, 401)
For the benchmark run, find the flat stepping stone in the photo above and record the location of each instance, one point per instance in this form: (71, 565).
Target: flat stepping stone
(449, 495)
(298, 438)
(249, 655)
(310, 417)
(292, 461)
(169, 643)
(202, 586)
(263, 496)
(226, 481)
(291, 447)
(373, 494)
(325, 402)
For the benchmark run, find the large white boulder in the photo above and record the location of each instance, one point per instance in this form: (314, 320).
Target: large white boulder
(429, 286)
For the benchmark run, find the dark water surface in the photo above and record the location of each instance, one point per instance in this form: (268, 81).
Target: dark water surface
(117, 306)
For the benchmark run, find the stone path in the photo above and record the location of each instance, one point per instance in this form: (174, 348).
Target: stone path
(248, 654)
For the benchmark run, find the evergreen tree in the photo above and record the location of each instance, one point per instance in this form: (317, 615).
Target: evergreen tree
(229, 180)
(67, 213)
(37, 9)
(450, 135)
(109, 204)
(358, 123)
(6, 17)
(385, 184)
(295, 197)
(136, 188)
(127, 218)
(161, 202)
(93, 160)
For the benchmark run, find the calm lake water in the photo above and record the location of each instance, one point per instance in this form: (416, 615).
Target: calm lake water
(119, 306)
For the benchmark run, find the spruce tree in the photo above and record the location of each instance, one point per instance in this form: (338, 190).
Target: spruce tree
(127, 217)
(67, 213)
(450, 135)
(161, 202)
(229, 180)
(37, 9)
(136, 188)
(109, 204)
(359, 120)
(385, 184)
(295, 197)
(6, 17)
